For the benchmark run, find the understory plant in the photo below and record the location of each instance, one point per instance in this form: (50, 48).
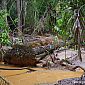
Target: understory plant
(4, 32)
(4, 28)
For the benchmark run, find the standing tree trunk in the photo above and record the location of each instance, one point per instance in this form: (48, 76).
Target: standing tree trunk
(77, 32)
(79, 45)
(19, 14)
(25, 12)
(65, 49)
(20, 17)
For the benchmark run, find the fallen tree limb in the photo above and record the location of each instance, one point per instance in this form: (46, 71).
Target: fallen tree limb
(22, 68)
(61, 50)
(41, 56)
(74, 68)
(42, 49)
(3, 81)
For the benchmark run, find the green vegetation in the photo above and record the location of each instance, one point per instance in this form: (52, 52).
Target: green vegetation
(64, 18)
(4, 28)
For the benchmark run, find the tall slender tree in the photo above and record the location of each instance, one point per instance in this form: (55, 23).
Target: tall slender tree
(18, 13)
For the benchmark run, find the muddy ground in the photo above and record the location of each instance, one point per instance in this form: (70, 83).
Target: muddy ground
(41, 75)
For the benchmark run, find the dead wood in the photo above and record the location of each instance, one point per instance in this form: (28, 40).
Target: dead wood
(74, 68)
(42, 49)
(22, 68)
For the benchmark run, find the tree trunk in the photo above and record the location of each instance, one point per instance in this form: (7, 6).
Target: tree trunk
(19, 14)
(79, 51)
(77, 32)
(65, 49)
(25, 12)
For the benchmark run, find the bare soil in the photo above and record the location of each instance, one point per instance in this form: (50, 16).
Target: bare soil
(40, 76)
(24, 77)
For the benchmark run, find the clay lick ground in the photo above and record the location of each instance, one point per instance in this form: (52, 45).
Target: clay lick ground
(24, 77)
(40, 76)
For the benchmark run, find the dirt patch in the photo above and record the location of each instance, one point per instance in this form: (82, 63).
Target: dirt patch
(24, 77)
(41, 76)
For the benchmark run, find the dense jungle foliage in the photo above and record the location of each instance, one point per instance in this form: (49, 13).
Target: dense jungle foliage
(64, 18)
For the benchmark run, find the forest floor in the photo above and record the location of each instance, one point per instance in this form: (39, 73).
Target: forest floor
(41, 75)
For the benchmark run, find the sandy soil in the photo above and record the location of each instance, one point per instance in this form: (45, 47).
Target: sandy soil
(24, 77)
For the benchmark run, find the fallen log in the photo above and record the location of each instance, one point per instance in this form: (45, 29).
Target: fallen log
(26, 56)
(20, 55)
